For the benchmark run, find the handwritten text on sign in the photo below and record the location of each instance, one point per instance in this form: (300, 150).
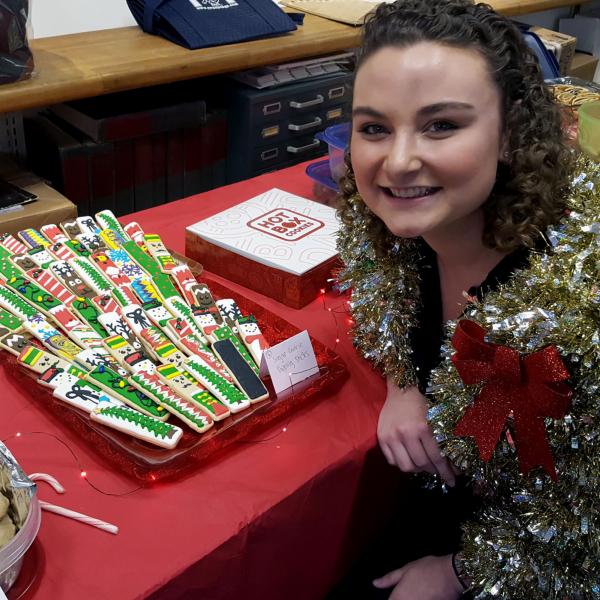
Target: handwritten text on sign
(290, 361)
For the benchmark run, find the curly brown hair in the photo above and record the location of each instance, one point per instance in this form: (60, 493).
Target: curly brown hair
(530, 191)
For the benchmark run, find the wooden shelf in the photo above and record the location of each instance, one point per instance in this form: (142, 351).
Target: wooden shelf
(91, 64)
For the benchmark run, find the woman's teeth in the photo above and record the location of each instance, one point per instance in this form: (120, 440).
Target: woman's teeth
(414, 192)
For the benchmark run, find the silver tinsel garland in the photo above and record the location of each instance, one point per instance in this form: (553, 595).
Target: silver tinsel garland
(534, 538)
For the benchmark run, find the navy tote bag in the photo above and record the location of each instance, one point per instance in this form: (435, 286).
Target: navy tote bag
(202, 23)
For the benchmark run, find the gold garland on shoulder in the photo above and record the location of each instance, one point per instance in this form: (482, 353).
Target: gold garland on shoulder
(533, 538)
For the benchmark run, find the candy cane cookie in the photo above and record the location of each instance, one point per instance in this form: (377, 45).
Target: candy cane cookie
(240, 370)
(192, 392)
(61, 251)
(12, 244)
(105, 303)
(231, 396)
(181, 408)
(46, 280)
(138, 425)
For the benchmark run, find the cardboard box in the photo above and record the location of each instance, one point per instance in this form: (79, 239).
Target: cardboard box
(560, 44)
(278, 244)
(583, 66)
(50, 207)
(586, 28)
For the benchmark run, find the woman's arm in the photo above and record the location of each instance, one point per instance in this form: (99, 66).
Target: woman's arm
(405, 437)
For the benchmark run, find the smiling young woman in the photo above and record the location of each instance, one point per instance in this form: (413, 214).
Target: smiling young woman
(457, 168)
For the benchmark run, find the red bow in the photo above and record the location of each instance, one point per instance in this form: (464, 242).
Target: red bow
(528, 388)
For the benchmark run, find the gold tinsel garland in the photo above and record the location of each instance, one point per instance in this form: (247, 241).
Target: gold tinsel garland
(533, 538)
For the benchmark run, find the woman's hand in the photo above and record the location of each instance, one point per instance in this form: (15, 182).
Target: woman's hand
(405, 437)
(429, 578)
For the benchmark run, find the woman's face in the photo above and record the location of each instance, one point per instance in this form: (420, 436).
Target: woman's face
(426, 136)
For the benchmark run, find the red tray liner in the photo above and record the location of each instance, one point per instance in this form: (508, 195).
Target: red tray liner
(148, 463)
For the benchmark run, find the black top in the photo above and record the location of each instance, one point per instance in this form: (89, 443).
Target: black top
(428, 335)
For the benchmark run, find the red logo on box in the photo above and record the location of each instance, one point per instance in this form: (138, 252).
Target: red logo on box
(286, 224)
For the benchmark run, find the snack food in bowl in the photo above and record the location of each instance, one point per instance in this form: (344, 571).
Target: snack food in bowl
(589, 129)
(20, 517)
(337, 138)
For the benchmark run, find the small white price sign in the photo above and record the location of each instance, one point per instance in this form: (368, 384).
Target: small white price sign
(290, 362)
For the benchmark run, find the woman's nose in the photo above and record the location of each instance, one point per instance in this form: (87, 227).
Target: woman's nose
(404, 156)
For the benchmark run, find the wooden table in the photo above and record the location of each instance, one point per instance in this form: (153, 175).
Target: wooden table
(91, 64)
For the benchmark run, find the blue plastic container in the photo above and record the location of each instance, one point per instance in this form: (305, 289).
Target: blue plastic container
(337, 138)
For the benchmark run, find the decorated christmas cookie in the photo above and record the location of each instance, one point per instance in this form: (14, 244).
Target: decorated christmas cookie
(127, 356)
(107, 220)
(183, 409)
(71, 228)
(138, 425)
(136, 233)
(191, 391)
(232, 397)
(65, 273)
(88, 226)
(240, 370)
(32, 238)
(159, 252)
(252, 337)
(225, 333)
(12, 244)
(53, 233)
(117, 386)
(83, 395)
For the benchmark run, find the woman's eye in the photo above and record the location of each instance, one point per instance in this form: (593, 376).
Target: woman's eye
(372, 129)
(441, 127)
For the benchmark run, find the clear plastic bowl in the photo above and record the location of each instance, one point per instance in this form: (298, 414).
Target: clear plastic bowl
(589, 129)
(11, 555)
(337, 138)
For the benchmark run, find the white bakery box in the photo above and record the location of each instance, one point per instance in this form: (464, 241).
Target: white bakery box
(278, 244)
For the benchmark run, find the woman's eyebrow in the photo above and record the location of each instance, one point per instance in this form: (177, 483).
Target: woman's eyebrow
(441, 106)
(367, 111)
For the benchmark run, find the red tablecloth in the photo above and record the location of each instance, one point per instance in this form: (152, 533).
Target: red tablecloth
(270, 519)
